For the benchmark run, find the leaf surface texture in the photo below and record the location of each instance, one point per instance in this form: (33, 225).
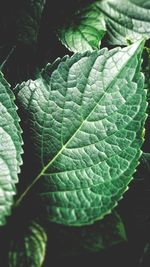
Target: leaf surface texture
(86, 116)
(10, 148)
(85, 31)
(126, 20)
(28, 249)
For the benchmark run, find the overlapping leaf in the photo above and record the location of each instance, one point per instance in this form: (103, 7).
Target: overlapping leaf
(10, 148)
(20, 23)
(28, 21)
(86, 122)
(127, 20)
(85, 31)
(29, 247)
(124, 21)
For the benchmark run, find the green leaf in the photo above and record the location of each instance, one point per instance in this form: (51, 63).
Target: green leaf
(29, 247)
(84, 30)
(86, 122)
(92, 238)
(10, 148)
(28, 18)
(126, 20)
(20, 25)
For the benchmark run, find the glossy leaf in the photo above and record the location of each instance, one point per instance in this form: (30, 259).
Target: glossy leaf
(86, 121)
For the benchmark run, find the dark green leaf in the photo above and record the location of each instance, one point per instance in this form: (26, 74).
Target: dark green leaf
(93, 238)
(28, 17)
(19, 30)
(29, 248)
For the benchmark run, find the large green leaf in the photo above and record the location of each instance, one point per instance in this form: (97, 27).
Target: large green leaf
(126, 20)
(86, 122)
(84, 31)
(28, 249)
(10, 148)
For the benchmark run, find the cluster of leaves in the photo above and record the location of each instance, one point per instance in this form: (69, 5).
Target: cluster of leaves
(83, 120)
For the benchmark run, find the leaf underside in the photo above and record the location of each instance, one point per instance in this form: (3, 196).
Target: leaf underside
(86, 117)
(126, 20)
(10, 148)
(85, 31)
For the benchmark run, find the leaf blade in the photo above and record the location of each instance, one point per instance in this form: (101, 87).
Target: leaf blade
(28, 249)
(127, 21)
(85, 31)
(10, 148)
(90, 113)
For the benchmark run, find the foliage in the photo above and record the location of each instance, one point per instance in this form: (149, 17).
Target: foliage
(82, 119)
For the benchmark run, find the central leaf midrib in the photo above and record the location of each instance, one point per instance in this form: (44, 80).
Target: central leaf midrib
(65, 145)
(96, 143)
(95, 185)
(42, 173)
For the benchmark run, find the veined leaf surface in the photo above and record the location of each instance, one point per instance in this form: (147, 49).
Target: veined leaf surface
(28, 249)
(86, 122)
(85, 31)
(126, 20)
(10, 148)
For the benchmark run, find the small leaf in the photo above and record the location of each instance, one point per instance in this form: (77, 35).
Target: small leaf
(84, 31)
(10, 148)
(126, 20)
(93, 238)
(29, 247)
(86, 122)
